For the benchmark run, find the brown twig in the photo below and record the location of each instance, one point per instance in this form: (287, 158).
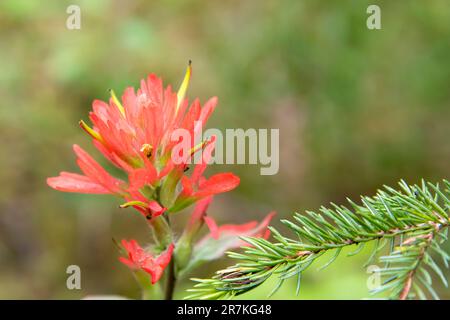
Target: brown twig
(409, 278)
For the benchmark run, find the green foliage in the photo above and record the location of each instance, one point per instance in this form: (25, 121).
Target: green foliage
(413, 222)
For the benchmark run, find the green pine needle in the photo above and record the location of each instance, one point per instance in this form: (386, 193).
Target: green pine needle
(413, 221)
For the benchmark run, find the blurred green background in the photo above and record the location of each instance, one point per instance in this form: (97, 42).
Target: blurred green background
(356, 109)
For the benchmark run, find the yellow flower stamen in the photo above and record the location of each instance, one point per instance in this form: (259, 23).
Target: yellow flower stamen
(133, 203)
(184, 86)
(94, 134)
(117, 102)
(199, 146)
(147, 150)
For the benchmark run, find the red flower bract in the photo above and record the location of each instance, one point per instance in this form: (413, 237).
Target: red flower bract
(138, 258)
(197, 186)
(249, 229)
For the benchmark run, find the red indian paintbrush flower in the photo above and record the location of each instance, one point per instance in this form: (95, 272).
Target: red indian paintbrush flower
(135, 134)
(138, 258)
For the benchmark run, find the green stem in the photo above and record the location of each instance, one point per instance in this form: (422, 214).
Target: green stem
(161, 231)
(149, 291)
(171, 281)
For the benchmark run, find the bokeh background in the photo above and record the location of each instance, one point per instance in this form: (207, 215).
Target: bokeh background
(356, 109)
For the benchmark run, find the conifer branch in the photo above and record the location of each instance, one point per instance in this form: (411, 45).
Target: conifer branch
(413, 220)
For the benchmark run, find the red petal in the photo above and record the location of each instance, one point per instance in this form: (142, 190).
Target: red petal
(130, 264)
(249, 229)
(192, 115)
(72, 182)
(137, 257)
(238, 229)
(156, 209)
(226, 237)
(129, 102)
(200, 210)
(263, 231)
(155, 267)
(207, 109)
(154, 89)
(213, 228)
(164, 258)
(221, 182)
(187, 186)
(141, 177)
(95, 171)
(206, 157)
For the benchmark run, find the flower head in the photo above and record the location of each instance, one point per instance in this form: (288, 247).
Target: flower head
(139, 134)
(135, 134)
